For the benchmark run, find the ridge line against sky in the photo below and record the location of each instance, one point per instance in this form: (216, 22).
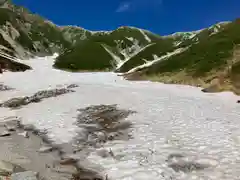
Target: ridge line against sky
(159, 16)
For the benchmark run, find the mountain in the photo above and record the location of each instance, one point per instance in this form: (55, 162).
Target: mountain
(103, 50)
(23, 35)
(200, 57)
(210, 56)
(126, 48)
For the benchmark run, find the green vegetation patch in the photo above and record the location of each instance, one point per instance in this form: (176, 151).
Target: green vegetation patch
(206, 55)
(86, 56)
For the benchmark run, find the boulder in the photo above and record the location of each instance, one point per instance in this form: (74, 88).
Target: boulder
(12, 125)
(24, 134)
(46, 149)
(5, 133)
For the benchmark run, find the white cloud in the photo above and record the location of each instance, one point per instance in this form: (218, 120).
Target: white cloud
(123, 7)
(132, 5)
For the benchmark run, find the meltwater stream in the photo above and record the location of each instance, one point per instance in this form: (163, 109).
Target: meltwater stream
(171, 120)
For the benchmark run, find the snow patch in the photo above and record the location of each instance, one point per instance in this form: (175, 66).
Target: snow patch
(156, 60)
(119, 65)
(145, 36)
(130, 38)
(170, 119)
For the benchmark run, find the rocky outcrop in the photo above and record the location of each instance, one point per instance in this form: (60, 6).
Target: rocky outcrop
(5, 88)
(37, 97)
(13, 65)
(103, 123)
(188, 164)
(42, 158)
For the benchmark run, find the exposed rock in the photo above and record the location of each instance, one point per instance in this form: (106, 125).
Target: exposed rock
(88, 171)
(72, 86)
(68, 161)
(104, 153)
(5, 133)
(120, 135)
(37, 97)
(29, 127)
(24, 134)
(28, 151)
(14, 102)
(5, 88)
(27, 175)
(103, 122)
(50, 93)
(46, 149)
(12, 125)
(175, 155)
(212, 88)
(7, 168)
(187, 164)
(2, 2)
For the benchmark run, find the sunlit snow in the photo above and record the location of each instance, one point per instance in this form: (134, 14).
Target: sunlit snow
(145, 36)
(169, 119)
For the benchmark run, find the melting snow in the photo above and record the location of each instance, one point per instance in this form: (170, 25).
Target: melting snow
(137, 51)
(169, 119)
(130, 38)
(156, 59)
(145, 36)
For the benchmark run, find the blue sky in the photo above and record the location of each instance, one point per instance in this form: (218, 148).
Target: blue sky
(160, 16)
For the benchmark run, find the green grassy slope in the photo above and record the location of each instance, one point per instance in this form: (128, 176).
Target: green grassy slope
(131, 44)
(90, 51)
(91, 57)
(208, 54)
(32, 28)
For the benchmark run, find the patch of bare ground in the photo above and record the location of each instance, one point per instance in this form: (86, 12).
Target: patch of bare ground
(218, 80)
(103, 123)
(5, 88)
(27, 151)
(33, 153)
(213, 82)
(18, 102)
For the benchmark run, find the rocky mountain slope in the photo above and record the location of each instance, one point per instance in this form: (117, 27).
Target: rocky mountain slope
(196, 58)
(24, 35)
(212, 59)
(124, 48)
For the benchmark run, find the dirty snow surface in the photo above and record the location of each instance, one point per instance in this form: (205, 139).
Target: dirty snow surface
(178, 131)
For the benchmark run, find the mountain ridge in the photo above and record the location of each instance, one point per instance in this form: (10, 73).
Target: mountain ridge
(126, 50)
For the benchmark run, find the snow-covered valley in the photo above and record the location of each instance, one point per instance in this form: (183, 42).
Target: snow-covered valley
(169, 120)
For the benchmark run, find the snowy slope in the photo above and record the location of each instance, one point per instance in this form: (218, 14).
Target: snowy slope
(169, 119)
